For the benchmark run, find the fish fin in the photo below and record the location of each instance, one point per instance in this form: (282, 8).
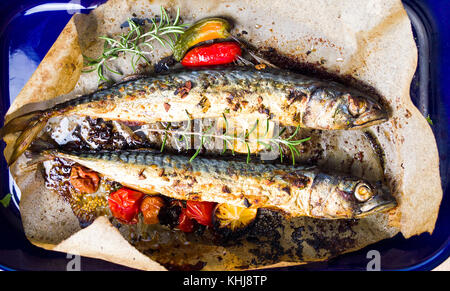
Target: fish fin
(26, 138)
(261, 60)
(34, 160)
(253, 53)
(39, 145)
(19, 123)
(132, 77)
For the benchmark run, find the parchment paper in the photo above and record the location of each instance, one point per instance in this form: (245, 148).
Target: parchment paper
(370, 41)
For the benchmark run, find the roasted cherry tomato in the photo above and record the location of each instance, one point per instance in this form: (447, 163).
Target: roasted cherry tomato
(212, 54)
(124, 205)
(84, 180)
(185, 223)
(150, 207)
(201, 211)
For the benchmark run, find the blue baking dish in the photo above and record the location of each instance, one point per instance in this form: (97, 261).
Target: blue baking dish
(28, 28)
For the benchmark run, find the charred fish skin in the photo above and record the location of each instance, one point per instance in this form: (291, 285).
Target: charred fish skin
(297, 191)
(288, 98)
(283, 96)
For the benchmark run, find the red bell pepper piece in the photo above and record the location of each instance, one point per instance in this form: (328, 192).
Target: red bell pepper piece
(212, 54)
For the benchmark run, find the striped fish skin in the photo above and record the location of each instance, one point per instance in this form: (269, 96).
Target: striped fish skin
(238, 92)
(283, 96)
(295, 190)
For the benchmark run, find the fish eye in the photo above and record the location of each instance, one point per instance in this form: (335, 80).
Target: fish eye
(363, 192)
(356, 105)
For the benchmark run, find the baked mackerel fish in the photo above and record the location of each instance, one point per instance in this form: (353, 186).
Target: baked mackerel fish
(296, 191)
(282, 96)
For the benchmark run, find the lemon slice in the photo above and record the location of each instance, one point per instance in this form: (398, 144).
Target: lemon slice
(234, 217)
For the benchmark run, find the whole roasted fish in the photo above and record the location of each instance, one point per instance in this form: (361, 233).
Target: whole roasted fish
(285, 97)
(297, 191)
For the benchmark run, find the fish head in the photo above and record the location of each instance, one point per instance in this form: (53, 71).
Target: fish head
(372, 199)
(357, 111)
(338, 197)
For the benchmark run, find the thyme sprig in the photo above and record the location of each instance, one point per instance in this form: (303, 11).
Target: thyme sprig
(138, 41)
(228, 139)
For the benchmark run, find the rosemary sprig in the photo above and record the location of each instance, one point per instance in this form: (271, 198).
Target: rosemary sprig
(289, 143)
(137, 42)
(202, 142)
(243, 138)
(165, 136)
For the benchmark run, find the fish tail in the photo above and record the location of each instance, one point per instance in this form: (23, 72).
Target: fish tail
(19, 123)
(31, 125)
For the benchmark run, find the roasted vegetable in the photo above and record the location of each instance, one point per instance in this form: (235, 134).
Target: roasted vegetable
(200, 211)
(150, 208)
(203, 30)
(234, 217)
(84, 180)
(185, 223)
(124, 205)
(212, 54)
(169, 215)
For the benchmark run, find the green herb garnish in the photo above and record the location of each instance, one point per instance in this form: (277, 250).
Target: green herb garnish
(428, 118)
(6, 200)
(165, 136)
(228, 139)
(137, 42)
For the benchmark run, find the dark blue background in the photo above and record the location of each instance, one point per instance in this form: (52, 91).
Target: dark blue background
(26, 38)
